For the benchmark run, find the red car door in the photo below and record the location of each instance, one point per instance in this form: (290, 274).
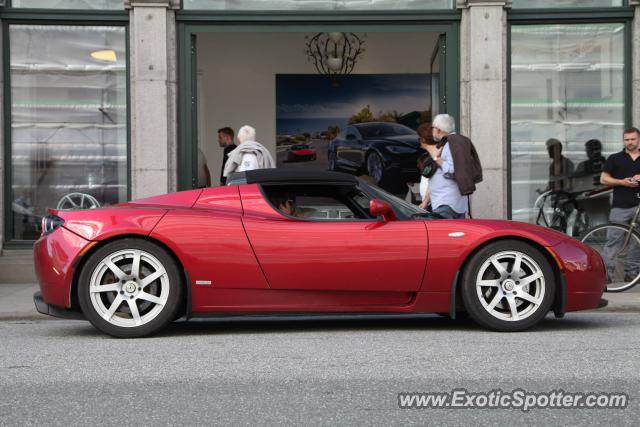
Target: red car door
(353, 255)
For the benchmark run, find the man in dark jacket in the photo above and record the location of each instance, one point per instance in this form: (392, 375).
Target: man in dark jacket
(225, 139)
(467, 161)
(458, 169)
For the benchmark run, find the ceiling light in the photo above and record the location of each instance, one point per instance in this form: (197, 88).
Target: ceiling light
(104, 55)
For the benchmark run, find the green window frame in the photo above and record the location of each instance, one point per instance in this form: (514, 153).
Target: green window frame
(622, 15)
(526, 4)
(10, 17)
(16, 4)
(191, 22)
(315, 5)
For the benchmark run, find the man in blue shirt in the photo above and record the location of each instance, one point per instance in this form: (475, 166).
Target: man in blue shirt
(446, 199)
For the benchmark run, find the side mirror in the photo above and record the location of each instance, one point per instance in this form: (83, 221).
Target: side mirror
(381, 208)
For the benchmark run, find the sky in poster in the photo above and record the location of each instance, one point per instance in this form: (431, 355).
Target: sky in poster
(309, 102)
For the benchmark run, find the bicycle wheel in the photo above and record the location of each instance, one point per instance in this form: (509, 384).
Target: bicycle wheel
(623, 263)
(577, 223)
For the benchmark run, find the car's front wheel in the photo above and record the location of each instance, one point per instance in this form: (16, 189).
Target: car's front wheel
(375, 167)
(508, 286)
(130, 288)
(333, 161)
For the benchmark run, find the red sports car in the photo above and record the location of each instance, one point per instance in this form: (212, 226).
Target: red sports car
(262, 245)
(300, 153)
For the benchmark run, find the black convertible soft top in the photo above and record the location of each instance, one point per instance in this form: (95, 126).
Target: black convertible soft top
(260, 176)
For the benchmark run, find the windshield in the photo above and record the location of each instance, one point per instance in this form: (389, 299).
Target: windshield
(401, 207)
(381, 130)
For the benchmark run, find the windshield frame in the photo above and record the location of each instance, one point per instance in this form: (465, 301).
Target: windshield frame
(403, 209)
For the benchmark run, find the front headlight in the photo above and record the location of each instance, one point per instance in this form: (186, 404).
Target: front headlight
(400, 149)
(51, 223)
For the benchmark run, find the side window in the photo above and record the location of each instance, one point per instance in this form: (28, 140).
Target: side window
(319, 202)
(323, 208)
(351, 131)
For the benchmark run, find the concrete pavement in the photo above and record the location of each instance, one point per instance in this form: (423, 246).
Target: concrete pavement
(16, 302)
(291, 373)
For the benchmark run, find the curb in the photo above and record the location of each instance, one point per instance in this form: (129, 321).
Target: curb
(10, 317)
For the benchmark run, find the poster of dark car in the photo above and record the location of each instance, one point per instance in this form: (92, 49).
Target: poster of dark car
(364, 125)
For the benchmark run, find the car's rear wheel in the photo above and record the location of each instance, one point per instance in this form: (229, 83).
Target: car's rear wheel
(130, 288)
(508, 286)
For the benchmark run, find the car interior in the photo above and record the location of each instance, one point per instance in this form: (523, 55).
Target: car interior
(321, 202)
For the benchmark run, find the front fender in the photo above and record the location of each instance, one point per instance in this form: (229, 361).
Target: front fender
(448, 251)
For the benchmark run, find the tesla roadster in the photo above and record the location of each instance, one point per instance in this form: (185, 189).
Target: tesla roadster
(301, 153)
(264, 245)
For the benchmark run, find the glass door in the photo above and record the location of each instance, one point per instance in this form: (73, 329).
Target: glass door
(439, 76)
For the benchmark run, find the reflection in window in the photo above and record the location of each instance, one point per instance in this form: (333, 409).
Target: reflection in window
(68, 120)
(317, 4)
(567, 116)
(334, 203)
(534, 4)
(70, 4)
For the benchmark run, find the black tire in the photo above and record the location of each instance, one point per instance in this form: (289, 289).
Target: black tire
(166, 290)
(596, 237)
(333, 162)
(508, 290)
(372, 161)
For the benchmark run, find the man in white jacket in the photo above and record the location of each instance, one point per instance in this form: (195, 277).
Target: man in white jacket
(249, 154)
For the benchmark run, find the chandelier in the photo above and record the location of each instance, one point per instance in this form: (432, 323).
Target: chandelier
(334, 54)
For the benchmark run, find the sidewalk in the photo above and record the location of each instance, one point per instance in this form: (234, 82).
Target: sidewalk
(16, 302)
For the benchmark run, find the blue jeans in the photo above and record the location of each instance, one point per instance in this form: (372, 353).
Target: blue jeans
(446, 212)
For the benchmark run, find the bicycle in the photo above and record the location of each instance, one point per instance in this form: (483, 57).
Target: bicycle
(560, 211)
(622, 260)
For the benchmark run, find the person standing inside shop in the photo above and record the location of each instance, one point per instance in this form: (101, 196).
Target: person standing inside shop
(622, 172)
(249, 154)
(426, 165)
(225, 139)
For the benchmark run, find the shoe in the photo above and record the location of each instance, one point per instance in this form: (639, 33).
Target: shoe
(630, 277)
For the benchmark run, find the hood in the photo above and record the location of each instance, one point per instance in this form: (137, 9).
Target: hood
(498, 227)
(406, 140)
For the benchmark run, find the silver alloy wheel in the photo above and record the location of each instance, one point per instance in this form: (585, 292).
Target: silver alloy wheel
(73, 201)
(133, 277)
(374, 167)
(510, 285)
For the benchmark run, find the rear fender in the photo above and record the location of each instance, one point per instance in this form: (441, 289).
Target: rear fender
(103, 224)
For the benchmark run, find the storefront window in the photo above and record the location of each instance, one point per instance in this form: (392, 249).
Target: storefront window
(567, 116)
(317, 4)
(535, 4)
(68, 120)
(70, 4)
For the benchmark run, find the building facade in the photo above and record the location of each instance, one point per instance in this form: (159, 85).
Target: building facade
(109, 100)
